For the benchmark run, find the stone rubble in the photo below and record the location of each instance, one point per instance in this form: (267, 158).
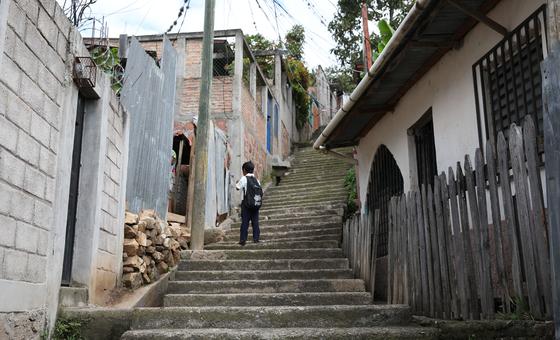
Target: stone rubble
(151, 247)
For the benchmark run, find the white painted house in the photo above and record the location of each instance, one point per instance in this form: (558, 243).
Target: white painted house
(454, 75)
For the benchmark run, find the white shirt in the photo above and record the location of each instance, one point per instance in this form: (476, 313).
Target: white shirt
(242, 184)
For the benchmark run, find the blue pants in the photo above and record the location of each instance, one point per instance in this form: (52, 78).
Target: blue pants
(249, 215)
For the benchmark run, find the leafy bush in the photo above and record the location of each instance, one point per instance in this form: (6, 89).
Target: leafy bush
(350, 185)
(65, 329)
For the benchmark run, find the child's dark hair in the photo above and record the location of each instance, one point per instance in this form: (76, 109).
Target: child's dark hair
(248, 167)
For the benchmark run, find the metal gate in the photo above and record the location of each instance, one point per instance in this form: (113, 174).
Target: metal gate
(385, 181)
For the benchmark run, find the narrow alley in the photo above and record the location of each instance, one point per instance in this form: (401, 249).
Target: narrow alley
(294, 284)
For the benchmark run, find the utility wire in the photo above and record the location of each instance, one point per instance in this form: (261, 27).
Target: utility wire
(253, 15)
(182, 10)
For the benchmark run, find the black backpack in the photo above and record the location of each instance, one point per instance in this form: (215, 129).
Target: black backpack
(253, 194)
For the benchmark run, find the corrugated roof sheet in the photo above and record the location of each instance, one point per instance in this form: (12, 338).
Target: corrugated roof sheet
(441, 26)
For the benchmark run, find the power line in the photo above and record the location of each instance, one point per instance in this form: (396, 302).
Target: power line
(182, 10)
(253, 15)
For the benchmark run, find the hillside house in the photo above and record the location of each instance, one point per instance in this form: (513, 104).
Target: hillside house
(253, 113)
(454, 75)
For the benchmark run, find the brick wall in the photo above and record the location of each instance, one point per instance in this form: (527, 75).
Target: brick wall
(254, 132)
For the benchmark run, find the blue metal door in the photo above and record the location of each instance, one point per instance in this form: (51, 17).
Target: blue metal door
(269, 122)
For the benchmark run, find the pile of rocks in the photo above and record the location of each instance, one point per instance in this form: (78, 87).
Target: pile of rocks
(151, 247)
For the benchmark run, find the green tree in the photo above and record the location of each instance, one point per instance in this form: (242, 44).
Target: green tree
(295, 38)
(257, 42)
(347, 31)
(346, 26)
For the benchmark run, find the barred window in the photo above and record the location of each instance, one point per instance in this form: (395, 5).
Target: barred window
(508, 79)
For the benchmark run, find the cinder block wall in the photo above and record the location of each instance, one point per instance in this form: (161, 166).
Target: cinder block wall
(38, 103)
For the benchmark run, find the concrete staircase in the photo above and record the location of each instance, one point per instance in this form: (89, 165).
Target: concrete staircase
(296, 284)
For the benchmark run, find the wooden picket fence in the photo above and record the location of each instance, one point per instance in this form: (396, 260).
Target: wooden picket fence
(476, 243)
(359, 244)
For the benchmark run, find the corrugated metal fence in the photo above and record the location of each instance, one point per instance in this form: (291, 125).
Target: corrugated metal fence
(149, 96)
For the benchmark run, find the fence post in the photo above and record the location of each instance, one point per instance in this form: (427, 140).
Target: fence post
(551, 101)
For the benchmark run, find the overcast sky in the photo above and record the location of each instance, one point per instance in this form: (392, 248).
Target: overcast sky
(137, 17)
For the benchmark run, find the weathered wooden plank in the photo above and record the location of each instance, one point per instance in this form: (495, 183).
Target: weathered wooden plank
(496, 231)
(415, 253)
(551, 119)
(509, 210)
(432, 230)
(429, 257)
(458, 248)
(391, 252)
(472, 294)
(485, 257)
(423, 255)
(403, 296)
(405, 251)
(374, 250)
(442, 251)
(520, 178)
(475, 236)
(451, 253)
(537, 215)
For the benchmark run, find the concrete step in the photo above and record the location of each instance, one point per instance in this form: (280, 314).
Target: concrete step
(275, 245)
(299, 203)
(365, 333)
(268, 229)
(265, 286)
(277, 235)
(279, 299)
(311, 178)
(270, 317)
(285, 264)
(233, 239)
(308, 213)
(287, 190)
(305, 197)
(303, 208)
(287, 220)
(306, 193)
(310, 274)
(272, 254)
(326, 183)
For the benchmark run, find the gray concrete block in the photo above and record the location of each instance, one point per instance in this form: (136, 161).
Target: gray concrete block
(49, 6)
(28, 148)
(47, 161)
(43, 242)
(6, 195)
(42, 215)
(32, 94)
(47, 27)
(16, 19)
(10, 74)
(34, 181)
(73, 297)
(55, 64)
(49, 189)
(15, 264)
(48, 83)
(62, 21)
(31, 8)
(19, 112)
(21, 206)
(12, 169)
(27, 237)
(36, 268)
(27, 61)
(8, 134)
(10, 42)
(2, 250)
(8, 235)
(62, 45)
(52, 111)
(53, 144)
(40, 129)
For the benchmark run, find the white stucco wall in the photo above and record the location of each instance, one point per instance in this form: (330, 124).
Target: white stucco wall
(448, 89)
